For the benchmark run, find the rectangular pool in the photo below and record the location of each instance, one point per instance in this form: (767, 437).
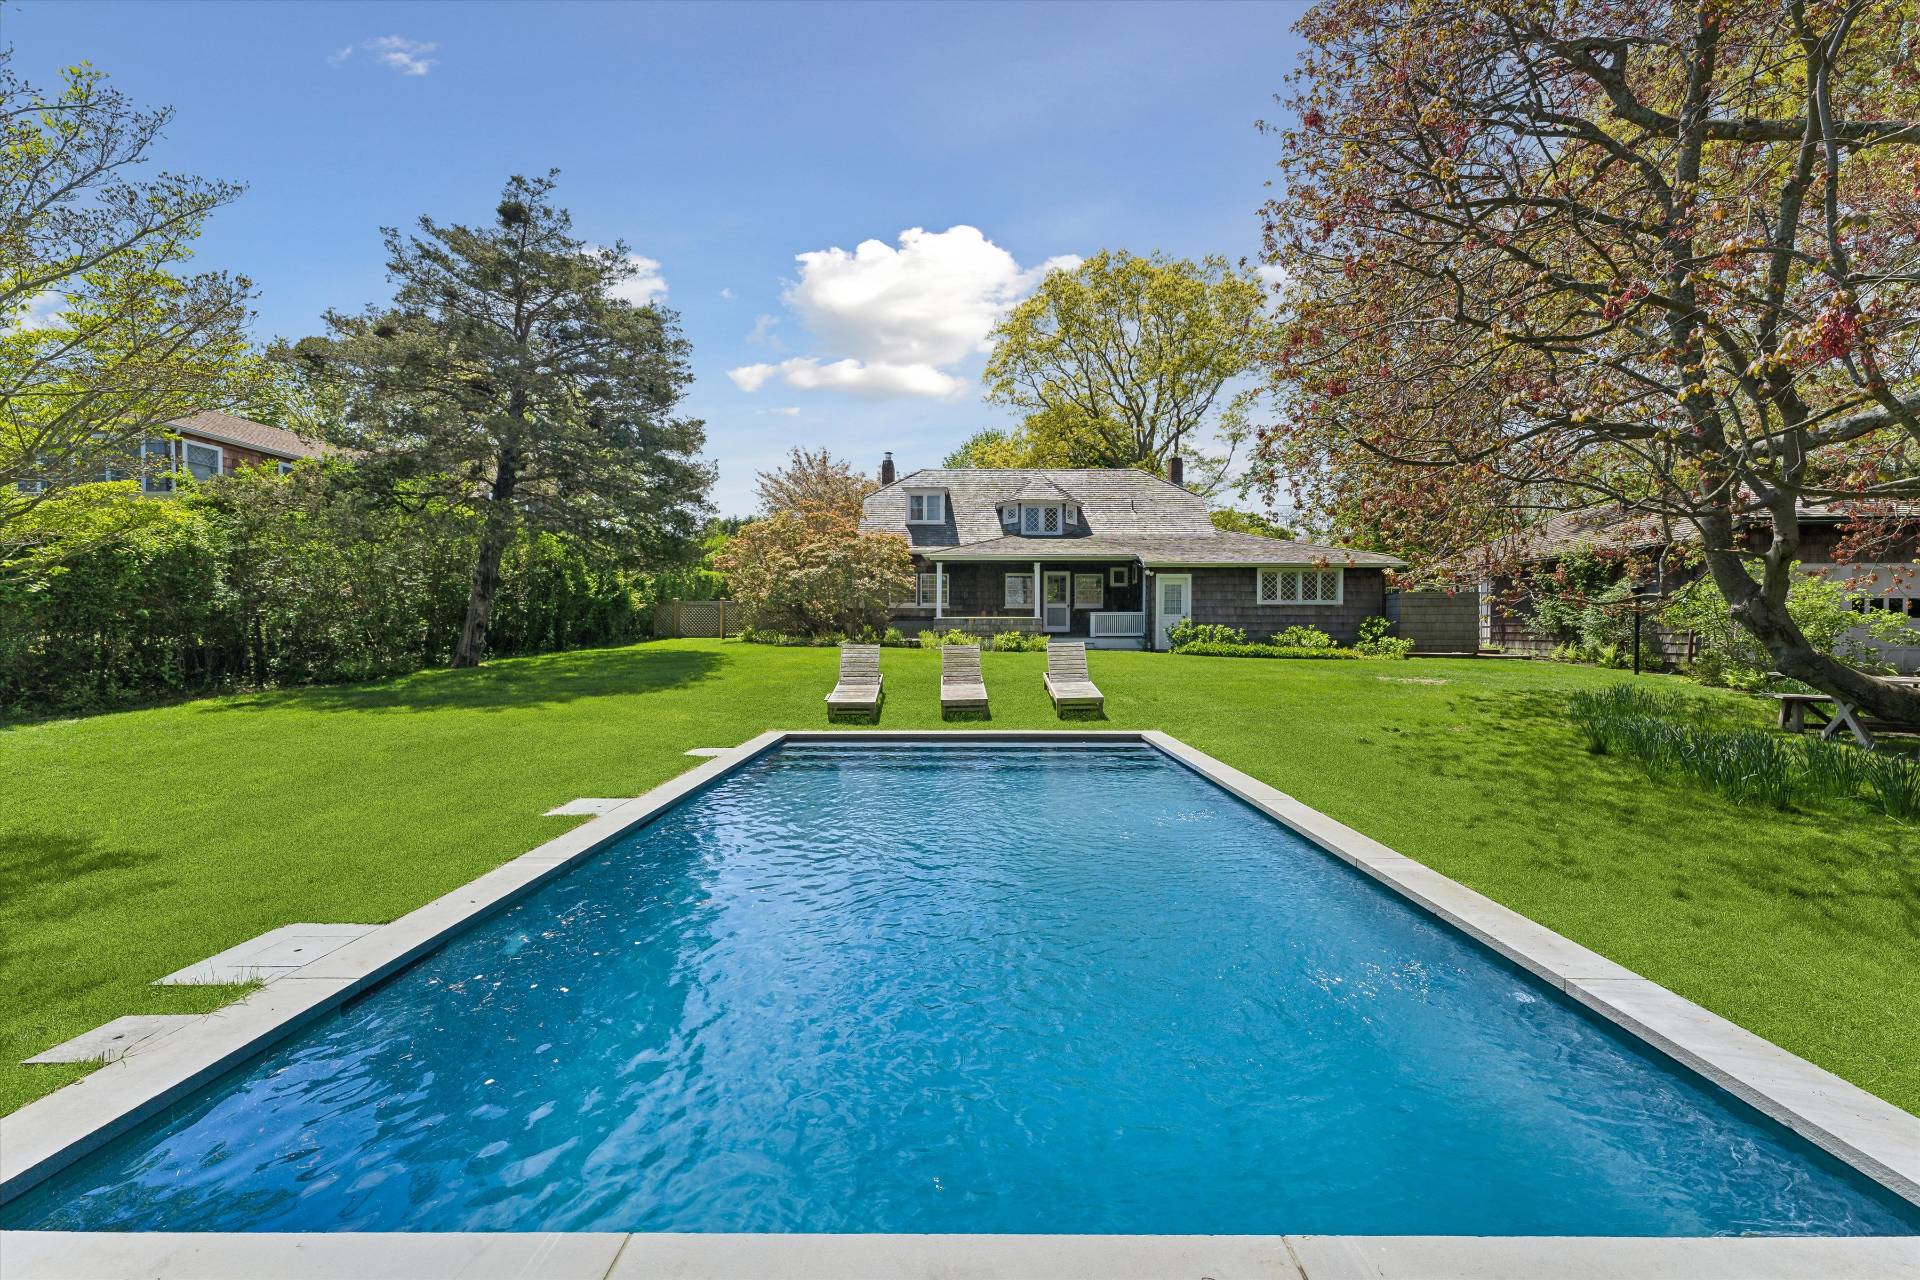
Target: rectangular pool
(915, 988)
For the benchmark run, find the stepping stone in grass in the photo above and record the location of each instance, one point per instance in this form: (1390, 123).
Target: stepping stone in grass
(274, 954)
(115, 1040)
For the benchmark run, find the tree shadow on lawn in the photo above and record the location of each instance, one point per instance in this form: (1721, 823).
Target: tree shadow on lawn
(1532, 759)
(33, 861)
(506, 683)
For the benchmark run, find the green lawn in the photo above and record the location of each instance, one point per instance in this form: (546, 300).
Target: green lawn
(136, 843)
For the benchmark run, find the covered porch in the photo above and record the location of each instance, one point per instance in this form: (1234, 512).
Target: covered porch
(1096, 600)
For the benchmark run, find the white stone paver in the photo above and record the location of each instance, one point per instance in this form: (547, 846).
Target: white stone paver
(114, 1040)
(161, 1255)
(271, 956)
(586, 805)
(709, 751)
(1602, 1258)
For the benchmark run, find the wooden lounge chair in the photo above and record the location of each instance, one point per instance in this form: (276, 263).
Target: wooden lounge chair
(961, 686)
(858, 693)
(1067, 681)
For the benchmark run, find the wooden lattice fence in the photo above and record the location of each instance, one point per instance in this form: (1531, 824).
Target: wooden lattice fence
(675, 618)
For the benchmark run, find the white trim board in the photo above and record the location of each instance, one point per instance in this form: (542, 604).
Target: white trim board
(1875, 1137)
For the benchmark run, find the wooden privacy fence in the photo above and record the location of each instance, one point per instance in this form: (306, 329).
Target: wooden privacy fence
(675, 618)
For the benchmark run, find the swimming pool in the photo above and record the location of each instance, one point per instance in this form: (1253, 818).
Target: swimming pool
(964, 988)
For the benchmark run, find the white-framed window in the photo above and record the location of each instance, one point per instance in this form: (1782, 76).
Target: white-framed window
(1010, 517)
(285, 468)
(1304, 586)
(1019, 591)
(1117, 576)
(926, 508)
(930, 583)
(1043, 520)
(204, 461)
(1089, 591)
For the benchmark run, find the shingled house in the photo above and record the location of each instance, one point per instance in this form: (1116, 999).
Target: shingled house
(211, 443)
(1114, 557)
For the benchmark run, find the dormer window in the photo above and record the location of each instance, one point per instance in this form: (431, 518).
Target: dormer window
(926, 508)
(1041, 519)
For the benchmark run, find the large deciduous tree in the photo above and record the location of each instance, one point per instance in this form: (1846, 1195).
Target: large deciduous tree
(103, 340)
(1657, 254)
(1125, 361)
(509, 378)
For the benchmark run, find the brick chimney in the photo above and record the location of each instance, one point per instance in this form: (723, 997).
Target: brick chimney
(886, 468)
(1177, 470)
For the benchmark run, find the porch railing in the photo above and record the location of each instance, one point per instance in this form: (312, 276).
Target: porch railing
(1116, 626)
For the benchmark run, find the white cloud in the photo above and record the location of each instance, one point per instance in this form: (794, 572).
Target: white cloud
(644, 285)
(727, 294)
(763, 334)
(408, 57)
(789, 411)
(45, 310)
(901, 317)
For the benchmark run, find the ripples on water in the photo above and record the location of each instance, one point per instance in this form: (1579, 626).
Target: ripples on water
(932, 989)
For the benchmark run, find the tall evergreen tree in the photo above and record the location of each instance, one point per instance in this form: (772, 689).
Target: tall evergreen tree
(509, 379)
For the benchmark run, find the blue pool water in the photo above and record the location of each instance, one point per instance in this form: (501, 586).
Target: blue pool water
(963, 989)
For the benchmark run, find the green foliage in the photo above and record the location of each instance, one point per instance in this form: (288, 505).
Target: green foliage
(509, 379)
(1822, 608)
(1019, 642)
(1377, 641)
(257, 580)
(952, 635)
(1206, 649)
(811, 571)
(1187, 631)
(1302, 637)
(1675, 741)
(1124, 360)
(103, 337)
(1229, 520)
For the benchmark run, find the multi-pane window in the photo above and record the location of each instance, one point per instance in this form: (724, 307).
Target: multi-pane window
(925, 508)
(1089, 591)
(1050, 519)
(1041, 519)
(1300, 586)
(203, 460)
(156, 459)
(930, 583)
(1019, 591)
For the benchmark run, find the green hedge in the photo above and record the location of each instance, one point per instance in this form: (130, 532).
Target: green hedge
(259, 580)
(1205, 650)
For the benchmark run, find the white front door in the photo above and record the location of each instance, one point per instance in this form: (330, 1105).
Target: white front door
(1056, 601)
(1172, 603)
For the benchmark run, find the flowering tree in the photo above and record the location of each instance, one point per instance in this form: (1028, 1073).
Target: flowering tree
(809, 570)
(1663, 254)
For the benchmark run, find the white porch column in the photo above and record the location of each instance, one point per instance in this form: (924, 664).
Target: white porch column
(1036, 591)
(939, 589)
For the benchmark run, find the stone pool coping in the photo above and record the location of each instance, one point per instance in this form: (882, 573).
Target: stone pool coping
(43, 1137)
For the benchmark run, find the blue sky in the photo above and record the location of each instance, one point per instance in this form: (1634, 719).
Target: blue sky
(722, 142)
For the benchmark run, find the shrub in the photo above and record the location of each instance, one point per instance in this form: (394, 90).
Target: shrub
(953, 635)
(1020, 642)
(1896, 780)
(1205, 650)
(1298, 637)
(893, 639)
(1187, 631)
(1376, 640)
(1822, 609)
(812, 572)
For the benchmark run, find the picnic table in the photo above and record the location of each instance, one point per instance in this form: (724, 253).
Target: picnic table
(1835, 714)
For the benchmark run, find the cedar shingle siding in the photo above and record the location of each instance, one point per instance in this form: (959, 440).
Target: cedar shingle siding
(1227, 596)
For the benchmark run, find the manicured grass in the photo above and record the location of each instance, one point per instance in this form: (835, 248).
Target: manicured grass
(133, 844)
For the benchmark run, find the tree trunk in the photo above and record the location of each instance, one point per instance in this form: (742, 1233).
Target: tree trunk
(486, 581)
(1767, 620)
(496, 529)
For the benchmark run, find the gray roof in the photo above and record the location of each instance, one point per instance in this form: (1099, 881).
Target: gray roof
(1126, 515)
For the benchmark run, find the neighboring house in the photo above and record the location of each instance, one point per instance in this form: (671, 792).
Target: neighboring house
(211, 443)
(1506, 616)
(1117, 557)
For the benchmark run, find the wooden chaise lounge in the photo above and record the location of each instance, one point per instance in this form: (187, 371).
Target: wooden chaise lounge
(961, 685)
(858, 693)
(1067, 681)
